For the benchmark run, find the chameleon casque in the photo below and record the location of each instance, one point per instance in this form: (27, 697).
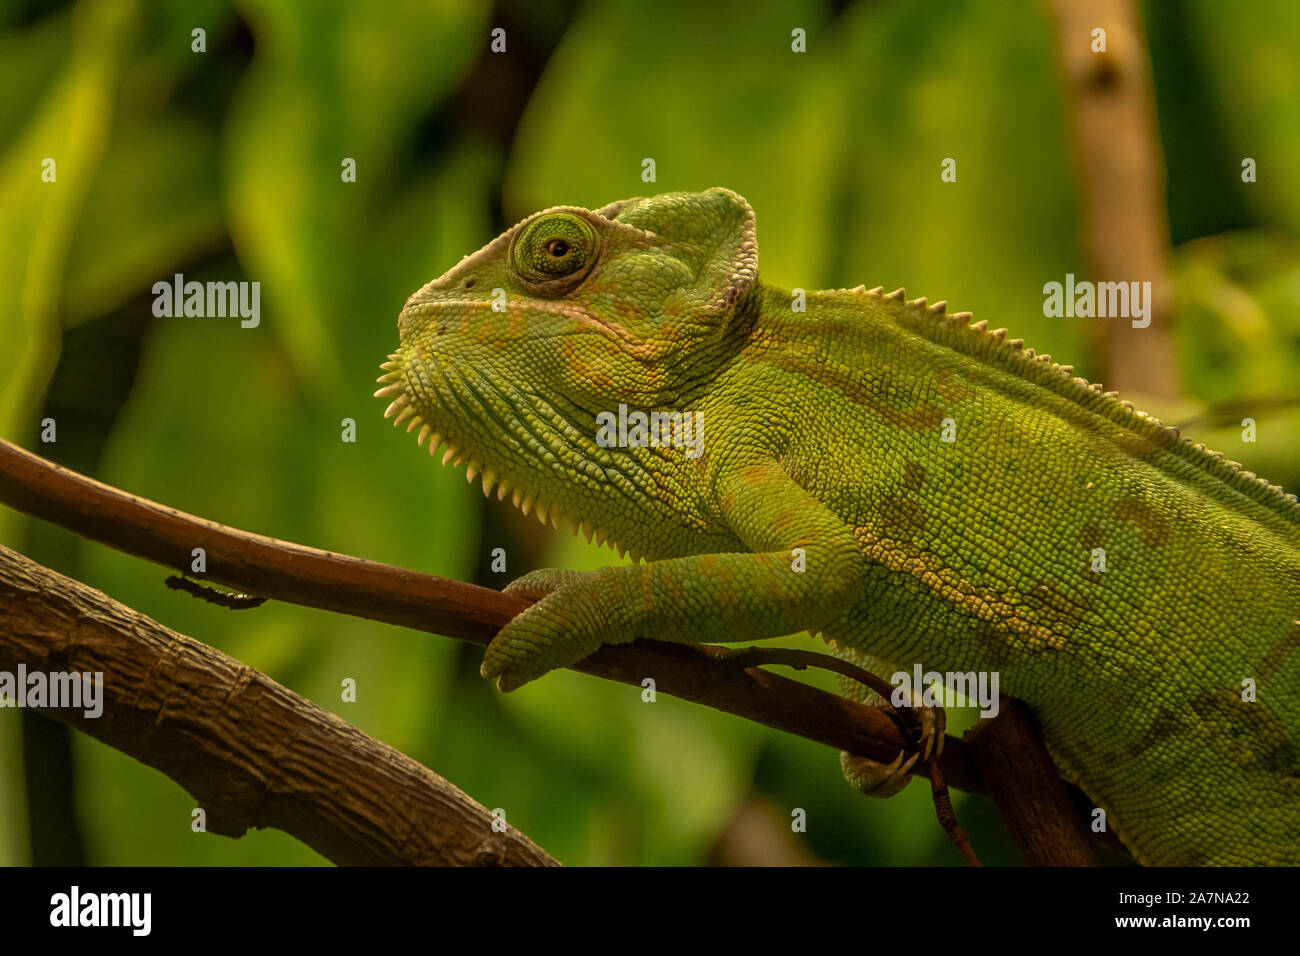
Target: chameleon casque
(822, 431)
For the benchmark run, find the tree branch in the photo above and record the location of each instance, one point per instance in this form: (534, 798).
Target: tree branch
(1035, 804)
(252, 752)
(1110, 104)
(291, 572)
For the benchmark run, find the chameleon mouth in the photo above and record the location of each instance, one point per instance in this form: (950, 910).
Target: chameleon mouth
(394, 385)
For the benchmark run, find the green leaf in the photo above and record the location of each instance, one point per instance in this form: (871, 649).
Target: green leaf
(37, 218)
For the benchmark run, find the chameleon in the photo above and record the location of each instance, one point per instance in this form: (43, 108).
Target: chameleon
(894, 477)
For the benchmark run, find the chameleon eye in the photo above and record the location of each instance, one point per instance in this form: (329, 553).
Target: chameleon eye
(557, 246)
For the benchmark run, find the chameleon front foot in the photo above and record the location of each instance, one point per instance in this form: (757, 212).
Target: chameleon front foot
(563, 626)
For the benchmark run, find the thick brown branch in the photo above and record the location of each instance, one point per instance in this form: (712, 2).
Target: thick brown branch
(1034, 801)
(1110, 103)
(251, 752)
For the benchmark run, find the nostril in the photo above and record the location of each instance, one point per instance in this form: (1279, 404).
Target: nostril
(470, 283)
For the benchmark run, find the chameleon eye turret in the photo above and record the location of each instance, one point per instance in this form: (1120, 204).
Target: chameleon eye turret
(556, 246)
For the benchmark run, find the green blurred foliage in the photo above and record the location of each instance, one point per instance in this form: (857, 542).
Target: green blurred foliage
(226, 165)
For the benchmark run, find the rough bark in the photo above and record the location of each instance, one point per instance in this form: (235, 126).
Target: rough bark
(250, 751)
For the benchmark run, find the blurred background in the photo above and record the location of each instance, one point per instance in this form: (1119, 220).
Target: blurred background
(226, 164)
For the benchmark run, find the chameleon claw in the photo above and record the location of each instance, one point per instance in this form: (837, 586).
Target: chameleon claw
(876, 779)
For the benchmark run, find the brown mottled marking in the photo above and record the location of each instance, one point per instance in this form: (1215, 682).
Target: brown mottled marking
(1092, 536)
(993, 645)
(584, 369)
(852, 387)
(1248, 734)
(913, 475)
(929, 416)
(950, 388)
(792, 526)
(1167, 725)
(1056, 609)
(1143, 447)
(1278, 652)
(1150, 524)
(901, 518)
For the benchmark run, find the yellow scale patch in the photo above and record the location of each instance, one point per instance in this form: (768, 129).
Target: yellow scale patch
(952, 588)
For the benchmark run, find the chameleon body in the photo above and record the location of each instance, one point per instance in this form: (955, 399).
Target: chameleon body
(824, 430)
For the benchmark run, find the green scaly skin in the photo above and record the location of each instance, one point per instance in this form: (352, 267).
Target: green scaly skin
(822, 431)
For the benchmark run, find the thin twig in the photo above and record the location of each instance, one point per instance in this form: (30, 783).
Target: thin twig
(948, 816)
(798, 659)
(909, 727)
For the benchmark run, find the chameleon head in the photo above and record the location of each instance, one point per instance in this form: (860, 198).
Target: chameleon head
(509, 357)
